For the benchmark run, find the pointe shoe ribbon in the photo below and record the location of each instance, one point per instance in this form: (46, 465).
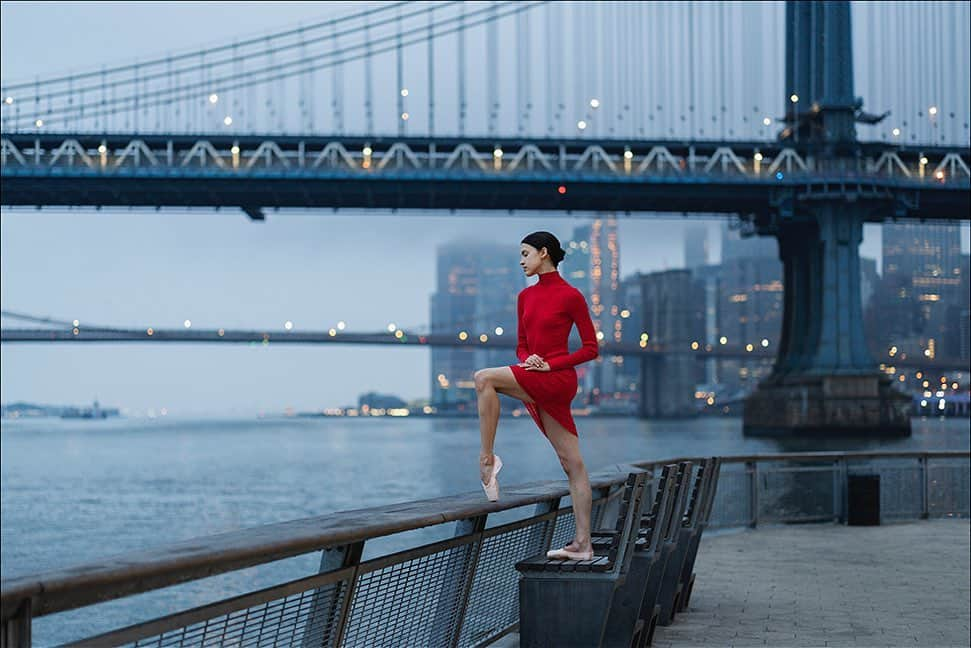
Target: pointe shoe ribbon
(492, 488)
(566, 554)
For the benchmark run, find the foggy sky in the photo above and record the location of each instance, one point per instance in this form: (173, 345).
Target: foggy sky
(147, 268)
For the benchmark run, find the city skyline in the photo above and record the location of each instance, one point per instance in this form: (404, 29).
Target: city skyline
(149, 268)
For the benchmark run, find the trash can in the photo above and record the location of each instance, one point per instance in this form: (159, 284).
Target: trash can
(863, 500)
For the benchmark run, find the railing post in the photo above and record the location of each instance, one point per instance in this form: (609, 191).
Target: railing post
(331, 611)
(752, 467)
(544, 535)
(925, 487)
(461, 587)
(16, 630)
(839, 488)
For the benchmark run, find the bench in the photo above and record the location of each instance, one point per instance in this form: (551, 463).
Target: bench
(687, 570)
(625, 627)
(672, 588)
(667, 541)
(568, 602)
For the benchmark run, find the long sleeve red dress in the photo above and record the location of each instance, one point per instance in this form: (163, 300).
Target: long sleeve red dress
(547, 311)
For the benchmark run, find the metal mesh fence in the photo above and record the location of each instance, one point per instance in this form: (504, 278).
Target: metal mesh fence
(494, 600)
(733, 503)
(797, 492)
(901, 484)
(411, 603)
(308, 616)
(949, 487)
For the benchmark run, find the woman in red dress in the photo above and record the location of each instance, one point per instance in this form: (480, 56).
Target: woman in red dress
(544, 379)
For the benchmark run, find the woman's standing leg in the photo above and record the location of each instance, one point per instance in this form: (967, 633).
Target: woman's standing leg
(567, 448)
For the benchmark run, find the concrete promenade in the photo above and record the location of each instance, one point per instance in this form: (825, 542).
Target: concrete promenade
(899, 584)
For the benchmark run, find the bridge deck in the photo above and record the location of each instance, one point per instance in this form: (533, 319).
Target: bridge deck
(903, 584)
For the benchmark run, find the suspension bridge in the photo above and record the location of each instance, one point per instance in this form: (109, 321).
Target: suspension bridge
(741, 109)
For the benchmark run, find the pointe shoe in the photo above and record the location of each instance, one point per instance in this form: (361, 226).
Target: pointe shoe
(492, 488)
(566, 554)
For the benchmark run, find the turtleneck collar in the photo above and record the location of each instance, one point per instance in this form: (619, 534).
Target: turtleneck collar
(550, 277)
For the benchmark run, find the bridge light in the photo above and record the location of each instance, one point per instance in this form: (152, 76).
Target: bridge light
(234, 150)
(399, 334)
(213, 98)
(923, 403)
(341, 325)
(8, 100)
(919, 375)
(794, 98)
(766, 121)
(625, 313)
(150, 331)
(463, 335)
(39, 123)
(645, 337)
(187, 324)
(404, 92)
(227, 120)
(332, 332)
(221, 332)
(939, 175)
(954, 386)
(932, 110)
(594, 103)
(749, 347)
(903, 378)
(497, 153)
(628, 154)
(723, 340)
(581, 124)
(102, 149)
(694, 346)
(483, 338)
(404, 116)
(288, 325)
(392, 327)
(765, 342)
(758, 157)
(600, 335)
(499, 330)
(779, 175)
(896, 132)
(77, 323)
(923, 161)
(561, 189)
(367, 151)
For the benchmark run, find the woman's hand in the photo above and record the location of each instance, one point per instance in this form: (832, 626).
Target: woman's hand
(532, 361)
(545, 366)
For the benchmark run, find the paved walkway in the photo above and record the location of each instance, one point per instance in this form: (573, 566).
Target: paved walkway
(902, 584)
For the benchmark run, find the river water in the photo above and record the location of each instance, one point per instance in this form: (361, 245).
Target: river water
(74, 491)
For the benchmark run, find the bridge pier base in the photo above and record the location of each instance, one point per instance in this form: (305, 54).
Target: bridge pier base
(824, 380)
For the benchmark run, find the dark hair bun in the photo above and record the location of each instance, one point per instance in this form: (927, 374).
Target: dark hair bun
(539, 240)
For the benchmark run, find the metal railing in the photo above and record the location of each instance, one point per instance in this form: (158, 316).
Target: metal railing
(461, 591)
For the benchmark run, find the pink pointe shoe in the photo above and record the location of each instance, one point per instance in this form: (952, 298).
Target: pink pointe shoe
(566, 554)
(492, 488)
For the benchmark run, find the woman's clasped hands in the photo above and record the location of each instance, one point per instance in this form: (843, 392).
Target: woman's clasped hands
(535, 363)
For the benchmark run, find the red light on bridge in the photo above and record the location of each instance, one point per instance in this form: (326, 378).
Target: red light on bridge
(561, 189)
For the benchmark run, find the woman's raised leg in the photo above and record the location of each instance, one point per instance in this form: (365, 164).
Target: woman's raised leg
(567, 448)
(489, 383)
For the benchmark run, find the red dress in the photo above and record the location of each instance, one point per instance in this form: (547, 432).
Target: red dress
(547, 311)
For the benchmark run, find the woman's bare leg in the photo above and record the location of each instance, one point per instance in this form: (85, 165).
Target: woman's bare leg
(567, 448)
(489, 383)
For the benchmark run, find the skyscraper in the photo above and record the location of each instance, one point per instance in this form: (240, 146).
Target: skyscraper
(592, 265)
(922, 280)
(696, 249)
(477, 287)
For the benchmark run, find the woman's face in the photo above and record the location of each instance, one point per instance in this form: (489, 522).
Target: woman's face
(531, 260)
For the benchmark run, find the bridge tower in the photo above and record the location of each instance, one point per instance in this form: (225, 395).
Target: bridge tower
(824, 379)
